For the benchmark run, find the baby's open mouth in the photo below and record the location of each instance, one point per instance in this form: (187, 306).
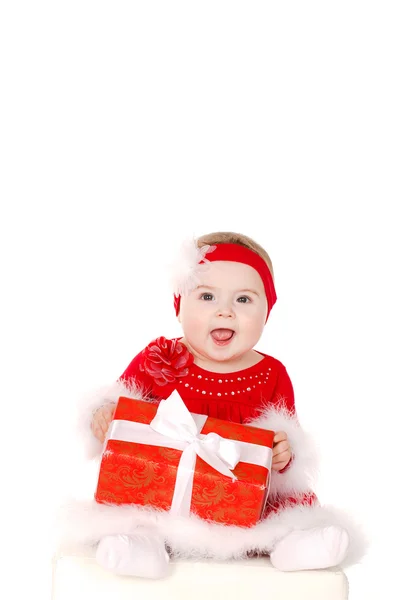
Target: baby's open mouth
(222, 336)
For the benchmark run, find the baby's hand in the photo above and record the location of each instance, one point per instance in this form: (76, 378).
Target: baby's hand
(281, 452)
(102, 419)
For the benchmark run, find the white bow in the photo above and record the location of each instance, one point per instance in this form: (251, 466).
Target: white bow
(175, 421)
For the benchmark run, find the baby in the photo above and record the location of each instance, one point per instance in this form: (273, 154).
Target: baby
(224, 293)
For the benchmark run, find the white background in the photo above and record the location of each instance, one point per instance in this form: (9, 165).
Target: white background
(126, 127)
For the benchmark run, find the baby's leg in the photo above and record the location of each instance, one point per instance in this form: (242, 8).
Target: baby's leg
(141, 555)
(318, 548)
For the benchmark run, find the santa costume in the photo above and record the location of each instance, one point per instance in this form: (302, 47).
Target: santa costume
(261, 396)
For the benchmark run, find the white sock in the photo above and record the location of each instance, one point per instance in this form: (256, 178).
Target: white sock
(141, 555)
(318, 548)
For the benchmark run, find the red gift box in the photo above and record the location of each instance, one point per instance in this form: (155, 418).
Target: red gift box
(146, 474)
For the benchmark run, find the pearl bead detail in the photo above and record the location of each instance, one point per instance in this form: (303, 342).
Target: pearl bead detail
(261, 377)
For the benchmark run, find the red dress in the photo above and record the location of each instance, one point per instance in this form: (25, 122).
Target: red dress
(261, 396)
(240, 396)
(237, 396)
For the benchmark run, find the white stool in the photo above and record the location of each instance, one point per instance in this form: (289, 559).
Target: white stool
(76, 576)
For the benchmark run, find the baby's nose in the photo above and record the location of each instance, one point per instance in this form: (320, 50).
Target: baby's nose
(226, 311)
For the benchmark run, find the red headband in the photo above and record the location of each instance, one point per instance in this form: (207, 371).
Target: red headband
(241, 254)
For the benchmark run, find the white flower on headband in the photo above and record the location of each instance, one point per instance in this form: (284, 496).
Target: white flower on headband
(186, 269)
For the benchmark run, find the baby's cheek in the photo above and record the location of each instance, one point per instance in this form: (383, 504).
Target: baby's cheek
(198, 325)
(252, 321)
(193, 323)
(253, 328)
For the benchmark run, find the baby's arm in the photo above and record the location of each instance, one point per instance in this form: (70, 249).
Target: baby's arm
(104, 414)
(102, 418)
(283, 397)
(96, 410)
(279, 415)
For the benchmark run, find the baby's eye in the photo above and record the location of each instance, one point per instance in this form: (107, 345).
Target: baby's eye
(207, 296)
(244, 299)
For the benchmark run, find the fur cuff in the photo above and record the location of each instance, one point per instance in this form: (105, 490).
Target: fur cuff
(90, 403)
(300, 475)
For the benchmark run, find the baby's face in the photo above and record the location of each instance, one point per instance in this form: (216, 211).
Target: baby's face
(224, 317)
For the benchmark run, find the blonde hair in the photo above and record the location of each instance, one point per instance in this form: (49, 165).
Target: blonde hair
(229, 237)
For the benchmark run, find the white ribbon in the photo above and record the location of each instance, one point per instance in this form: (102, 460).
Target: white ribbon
(175, 427)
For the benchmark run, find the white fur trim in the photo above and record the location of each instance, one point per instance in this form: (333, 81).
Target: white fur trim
(91, 402)
(186, 268)
(301, 473)
(88, 522)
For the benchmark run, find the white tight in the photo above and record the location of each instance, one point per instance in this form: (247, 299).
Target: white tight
(141, 555)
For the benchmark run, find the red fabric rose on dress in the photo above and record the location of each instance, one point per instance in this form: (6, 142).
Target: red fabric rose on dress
(166, 360)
